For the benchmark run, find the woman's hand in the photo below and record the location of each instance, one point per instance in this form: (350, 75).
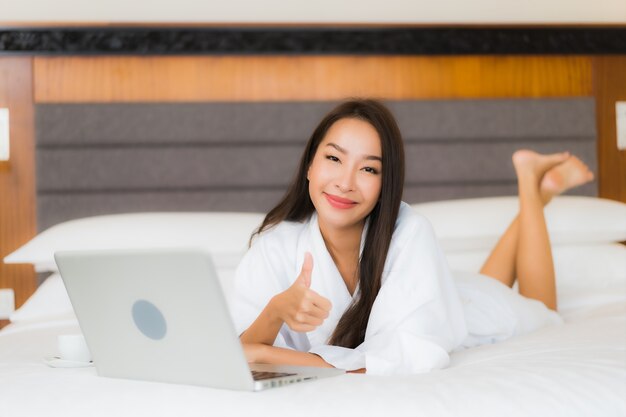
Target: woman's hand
(299, 306)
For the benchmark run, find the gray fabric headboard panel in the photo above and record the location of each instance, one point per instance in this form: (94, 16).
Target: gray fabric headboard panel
(112, 158)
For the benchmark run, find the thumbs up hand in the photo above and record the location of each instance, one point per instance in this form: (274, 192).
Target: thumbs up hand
(299, 306)
(307, 268)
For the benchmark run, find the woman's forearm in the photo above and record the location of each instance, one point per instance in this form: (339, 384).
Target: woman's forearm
(281, 356)
(265, 328)
(258, 353)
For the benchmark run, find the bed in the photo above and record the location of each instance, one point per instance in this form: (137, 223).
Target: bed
(124, 175)
(576, 369)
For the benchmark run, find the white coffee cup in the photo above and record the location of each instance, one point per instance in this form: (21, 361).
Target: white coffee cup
(72, 347)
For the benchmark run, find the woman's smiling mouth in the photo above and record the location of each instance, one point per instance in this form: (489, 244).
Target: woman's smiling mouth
(339, 202)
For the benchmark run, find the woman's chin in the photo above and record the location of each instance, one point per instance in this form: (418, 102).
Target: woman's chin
(336, 219)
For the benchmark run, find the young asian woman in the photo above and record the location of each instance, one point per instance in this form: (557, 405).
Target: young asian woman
(343, 273)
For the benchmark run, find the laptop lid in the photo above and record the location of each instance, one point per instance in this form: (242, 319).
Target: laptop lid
(156, 315)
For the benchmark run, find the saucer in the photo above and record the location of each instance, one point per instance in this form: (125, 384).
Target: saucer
(56, 362)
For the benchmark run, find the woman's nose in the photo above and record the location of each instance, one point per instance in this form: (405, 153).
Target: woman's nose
(345, 181)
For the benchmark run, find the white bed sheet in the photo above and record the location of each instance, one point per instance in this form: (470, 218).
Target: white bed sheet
(577, 369)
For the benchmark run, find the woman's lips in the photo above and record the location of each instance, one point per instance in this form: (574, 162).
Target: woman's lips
(338, 202)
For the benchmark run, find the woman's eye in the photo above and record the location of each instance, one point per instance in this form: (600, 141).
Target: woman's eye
(332, 158)
(371, 170)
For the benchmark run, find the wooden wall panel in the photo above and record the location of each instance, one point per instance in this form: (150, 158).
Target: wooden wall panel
(17, 176)
(610, 86)
(263, 78)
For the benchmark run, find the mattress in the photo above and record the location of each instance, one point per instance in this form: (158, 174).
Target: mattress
(574, 369)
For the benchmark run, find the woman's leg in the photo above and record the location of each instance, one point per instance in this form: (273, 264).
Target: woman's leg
(501, 261)
(510, 257)
(534, 266)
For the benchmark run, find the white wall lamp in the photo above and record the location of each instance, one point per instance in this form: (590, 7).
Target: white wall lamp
(620, 116)
(4, 134)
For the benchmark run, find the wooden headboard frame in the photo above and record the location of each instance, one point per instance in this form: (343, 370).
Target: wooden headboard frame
(38, 80)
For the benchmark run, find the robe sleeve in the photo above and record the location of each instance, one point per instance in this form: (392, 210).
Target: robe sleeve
(260, 275)
(417, 318)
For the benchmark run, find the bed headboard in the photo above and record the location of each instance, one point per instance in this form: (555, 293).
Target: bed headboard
(128, 157)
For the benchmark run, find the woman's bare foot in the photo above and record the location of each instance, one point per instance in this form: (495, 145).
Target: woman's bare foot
(532, 166)
(571, 173)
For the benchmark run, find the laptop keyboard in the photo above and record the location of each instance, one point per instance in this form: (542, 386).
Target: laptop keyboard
(260, 376)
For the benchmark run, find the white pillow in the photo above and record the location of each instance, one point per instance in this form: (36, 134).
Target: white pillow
(591, 267)
(478, 223)
(49, 302)
(587, 276)
(225, 235)
(459, 224)
(581, 272)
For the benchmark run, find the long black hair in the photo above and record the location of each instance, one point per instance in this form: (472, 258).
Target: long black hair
(297, 206)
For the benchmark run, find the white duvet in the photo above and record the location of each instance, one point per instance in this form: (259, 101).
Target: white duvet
(578, 369)
(575, 369)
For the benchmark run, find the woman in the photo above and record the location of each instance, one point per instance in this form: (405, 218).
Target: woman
(343, 274)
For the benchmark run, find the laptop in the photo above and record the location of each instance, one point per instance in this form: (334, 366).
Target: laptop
(161, 315)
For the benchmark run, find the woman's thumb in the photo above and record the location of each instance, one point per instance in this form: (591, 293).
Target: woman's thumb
(307, 268)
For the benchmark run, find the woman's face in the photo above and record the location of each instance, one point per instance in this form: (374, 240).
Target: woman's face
(345, 176)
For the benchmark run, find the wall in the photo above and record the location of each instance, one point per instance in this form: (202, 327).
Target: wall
(359, 11)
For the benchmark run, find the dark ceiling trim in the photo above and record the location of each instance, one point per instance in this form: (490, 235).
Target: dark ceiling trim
(311, 40)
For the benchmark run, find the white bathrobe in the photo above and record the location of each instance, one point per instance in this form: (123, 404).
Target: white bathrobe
(420, 314)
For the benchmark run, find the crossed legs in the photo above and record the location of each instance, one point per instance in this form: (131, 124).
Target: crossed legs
(524, 251)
